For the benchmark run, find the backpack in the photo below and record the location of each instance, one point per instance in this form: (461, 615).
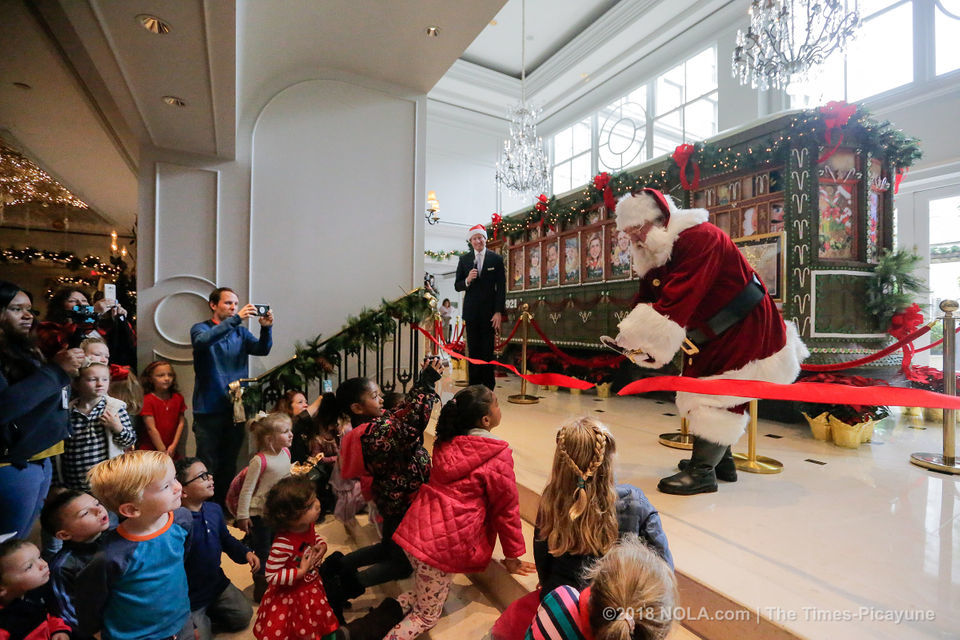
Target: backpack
(232, 499)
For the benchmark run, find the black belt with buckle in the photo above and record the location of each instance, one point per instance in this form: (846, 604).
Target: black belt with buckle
(735, 311)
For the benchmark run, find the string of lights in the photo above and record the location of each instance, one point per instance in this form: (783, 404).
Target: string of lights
(22, 181)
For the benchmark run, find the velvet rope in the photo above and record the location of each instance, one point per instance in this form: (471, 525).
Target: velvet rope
(568, 359)
(501, 345)
(933, 344)
(840, 366)
(821, 392)
(554, 379)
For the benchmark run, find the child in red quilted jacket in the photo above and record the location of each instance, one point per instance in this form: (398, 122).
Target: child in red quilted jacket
(470, 499)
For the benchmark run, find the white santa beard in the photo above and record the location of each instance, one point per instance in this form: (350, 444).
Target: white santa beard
(654, 252)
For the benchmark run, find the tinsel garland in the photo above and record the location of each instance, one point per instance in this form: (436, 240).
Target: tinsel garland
(368, 330)
(879, 138)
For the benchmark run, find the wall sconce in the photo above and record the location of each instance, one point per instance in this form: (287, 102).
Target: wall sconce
(433, 206)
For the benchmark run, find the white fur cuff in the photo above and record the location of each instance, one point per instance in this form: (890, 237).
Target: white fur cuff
(653, 333)
(717, 425)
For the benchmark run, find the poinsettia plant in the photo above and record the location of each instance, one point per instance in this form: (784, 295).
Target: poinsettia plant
(848, 413)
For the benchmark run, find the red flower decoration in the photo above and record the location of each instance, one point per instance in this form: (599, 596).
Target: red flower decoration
(495, 221)
(682, 155)
(601, 180)
(905, 322)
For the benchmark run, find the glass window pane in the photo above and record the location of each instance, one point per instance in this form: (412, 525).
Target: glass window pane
(870, 7)
(581, 136)
(700, 119)
(702, 73)
(947, 35)
(881, 58)
(639, 96)
(622, 132)
(580, 173)
(563, 145)
(825, 84)
(666, 136)
(561, 178)
(670, 90)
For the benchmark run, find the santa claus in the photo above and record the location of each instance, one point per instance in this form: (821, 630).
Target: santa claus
(698, 294)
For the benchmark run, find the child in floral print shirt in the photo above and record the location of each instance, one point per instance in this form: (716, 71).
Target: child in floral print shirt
(393, 453)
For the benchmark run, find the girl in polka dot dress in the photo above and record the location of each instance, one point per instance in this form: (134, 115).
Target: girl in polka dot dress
(295, 605)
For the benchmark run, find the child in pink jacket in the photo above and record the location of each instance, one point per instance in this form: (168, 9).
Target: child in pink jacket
(454, 521)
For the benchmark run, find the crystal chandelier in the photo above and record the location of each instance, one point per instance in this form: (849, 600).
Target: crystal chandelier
(523, 169)
(787, 38)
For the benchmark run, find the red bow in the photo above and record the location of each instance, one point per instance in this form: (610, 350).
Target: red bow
(601, 182)
(902, 325)
(541, 205)
(905, 322)
(119, 372)
(902, 171)
(495, 220)
(682, 155)
(836, 115)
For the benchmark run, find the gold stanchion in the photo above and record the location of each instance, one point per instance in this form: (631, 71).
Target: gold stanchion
(946, 461)
(523, 397)
(751, 462)
(682, 440)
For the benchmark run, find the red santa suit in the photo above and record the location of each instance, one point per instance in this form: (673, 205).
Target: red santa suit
(690, 270)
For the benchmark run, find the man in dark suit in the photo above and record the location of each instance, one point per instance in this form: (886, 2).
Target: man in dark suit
(481, 276)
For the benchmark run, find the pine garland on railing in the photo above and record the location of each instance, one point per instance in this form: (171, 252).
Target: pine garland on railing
(366, 331)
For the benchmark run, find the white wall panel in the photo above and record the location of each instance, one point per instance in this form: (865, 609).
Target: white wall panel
(187, 205)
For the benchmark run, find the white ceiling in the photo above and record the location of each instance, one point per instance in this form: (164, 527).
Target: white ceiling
(550, 26)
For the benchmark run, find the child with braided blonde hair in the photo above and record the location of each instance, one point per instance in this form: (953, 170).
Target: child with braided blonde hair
(582, 514)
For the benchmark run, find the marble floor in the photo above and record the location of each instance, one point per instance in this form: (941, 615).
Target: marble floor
(842, 544)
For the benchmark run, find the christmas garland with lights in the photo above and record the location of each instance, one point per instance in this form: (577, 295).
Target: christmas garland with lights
(879, 138)
(115, 269)
(368, 330)
(440, 256)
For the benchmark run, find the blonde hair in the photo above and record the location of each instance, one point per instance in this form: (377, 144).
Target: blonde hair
(130, 391)
(634, 581)
(578, 508)
(267, 425)
(86, 342)
(122, 479)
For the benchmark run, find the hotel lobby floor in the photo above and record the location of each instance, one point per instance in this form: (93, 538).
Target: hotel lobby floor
(842, 544)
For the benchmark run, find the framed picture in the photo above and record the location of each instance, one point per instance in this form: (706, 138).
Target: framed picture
(533, 232)
(570, 260)
(533, 266)
(516, 269)
(765, 254)
(620, 256)
(592, 256)
(752, 223)
(776, 217)
(593, 217)
(551, 251)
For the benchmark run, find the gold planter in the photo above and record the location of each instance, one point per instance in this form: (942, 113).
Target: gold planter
(913, 412)
(604, 389)
(575, 392)
(550, 387)
(819, 426)
(931, 414)
(850, 436)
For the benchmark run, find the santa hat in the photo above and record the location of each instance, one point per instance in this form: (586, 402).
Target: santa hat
(477, 229)
(646, 206)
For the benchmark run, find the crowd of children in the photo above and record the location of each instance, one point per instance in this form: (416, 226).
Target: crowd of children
(139, 541)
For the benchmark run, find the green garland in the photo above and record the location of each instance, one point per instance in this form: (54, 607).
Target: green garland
(440, 256)
(893, 286)
(879, 138)
(368, 330)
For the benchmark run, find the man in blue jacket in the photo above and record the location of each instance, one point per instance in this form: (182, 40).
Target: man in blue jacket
(221, 347)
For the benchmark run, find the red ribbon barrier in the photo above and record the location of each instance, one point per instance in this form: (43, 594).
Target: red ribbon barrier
(681, 156)
(554, 379)
(822, 392)
(840, 366)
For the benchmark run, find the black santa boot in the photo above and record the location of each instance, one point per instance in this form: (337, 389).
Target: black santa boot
(699, 476)
(726, 469)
